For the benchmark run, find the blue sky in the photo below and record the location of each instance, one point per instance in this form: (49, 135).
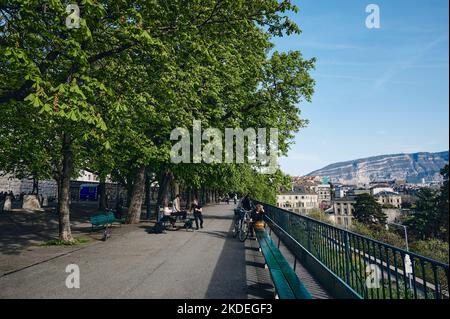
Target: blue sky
(378, 91)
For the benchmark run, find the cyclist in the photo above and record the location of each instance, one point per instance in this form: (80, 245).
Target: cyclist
(246, 203)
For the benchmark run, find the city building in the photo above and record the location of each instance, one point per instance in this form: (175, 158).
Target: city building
(343, 210)
(341, 191)
(298, 201)
(358, 191)
(387, 198)
(381, 188)
(324, 193)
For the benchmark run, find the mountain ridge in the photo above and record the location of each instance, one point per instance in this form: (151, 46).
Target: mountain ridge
(412, 167)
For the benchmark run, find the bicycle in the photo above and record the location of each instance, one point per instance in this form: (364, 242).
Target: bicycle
(237, 222)
(107, 231)
(239, 214)
(245, 227)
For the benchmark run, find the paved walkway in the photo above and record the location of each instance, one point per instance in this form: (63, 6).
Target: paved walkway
(207, 263)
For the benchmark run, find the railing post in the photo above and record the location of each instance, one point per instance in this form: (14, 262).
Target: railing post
(347, 257)
(308, 233)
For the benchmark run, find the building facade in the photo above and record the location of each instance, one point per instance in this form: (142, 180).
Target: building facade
(343, 209)
(324, 193)
(389, 199)
(298, 202)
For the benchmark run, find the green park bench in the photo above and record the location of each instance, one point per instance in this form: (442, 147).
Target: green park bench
(105, 219)
(286, 282)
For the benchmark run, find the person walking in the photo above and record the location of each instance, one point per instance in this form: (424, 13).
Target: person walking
(235, 198)
(196, 209)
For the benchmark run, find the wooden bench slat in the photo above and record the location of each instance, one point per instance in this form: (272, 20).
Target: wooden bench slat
(281, 285)
(297, 286)
(288, 285)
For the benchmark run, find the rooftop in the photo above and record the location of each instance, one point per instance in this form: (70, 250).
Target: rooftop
(385, 193)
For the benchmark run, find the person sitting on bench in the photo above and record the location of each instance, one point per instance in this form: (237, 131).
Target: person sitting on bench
(257, 214)
(177, 208)
(167, 212)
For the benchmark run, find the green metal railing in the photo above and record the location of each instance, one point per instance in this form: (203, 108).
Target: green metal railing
(370, 269)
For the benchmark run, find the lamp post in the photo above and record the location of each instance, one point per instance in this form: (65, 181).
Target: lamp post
(407, 258)
(405, 231)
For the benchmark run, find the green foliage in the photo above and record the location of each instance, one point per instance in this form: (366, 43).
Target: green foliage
(433, 248)
(425, 222)
(444, 205)
(431, 213)
(58, 242)
(380, 234)
(320, 216)
(105, 97)
(368, 211)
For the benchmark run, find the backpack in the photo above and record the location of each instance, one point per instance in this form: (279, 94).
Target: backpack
(159, 228)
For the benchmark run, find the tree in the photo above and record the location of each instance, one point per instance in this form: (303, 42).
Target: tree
(425, 221)
(110, 92)
(444, 205)
(431, 215)
(368, 211)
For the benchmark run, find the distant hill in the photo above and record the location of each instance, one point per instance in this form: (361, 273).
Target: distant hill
(410, 167)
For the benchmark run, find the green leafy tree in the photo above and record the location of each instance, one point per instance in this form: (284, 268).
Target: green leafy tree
(444, 205)
(425, 221)
(108, 93)
(368, 211)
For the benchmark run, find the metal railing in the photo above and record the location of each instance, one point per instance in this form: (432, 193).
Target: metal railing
(370, 268)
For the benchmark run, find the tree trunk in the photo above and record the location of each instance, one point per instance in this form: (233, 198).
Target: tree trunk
(164, 190)
(35, 190)
(129, 188)
(189, 199)
(148, 194)
(102, 201)
(64, 191)
(134, 208)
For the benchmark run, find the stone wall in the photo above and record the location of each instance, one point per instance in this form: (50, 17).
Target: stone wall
(17, 186)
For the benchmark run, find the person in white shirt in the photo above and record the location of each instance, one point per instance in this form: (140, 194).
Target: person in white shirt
(167, 212)
(177, 203)
(177, 208)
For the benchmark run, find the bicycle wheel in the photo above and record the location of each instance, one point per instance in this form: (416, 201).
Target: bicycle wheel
(235, 229)
(243, 233)
(106, 234)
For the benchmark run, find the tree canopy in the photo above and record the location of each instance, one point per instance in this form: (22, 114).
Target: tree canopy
(105, 96)
(368, 211)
